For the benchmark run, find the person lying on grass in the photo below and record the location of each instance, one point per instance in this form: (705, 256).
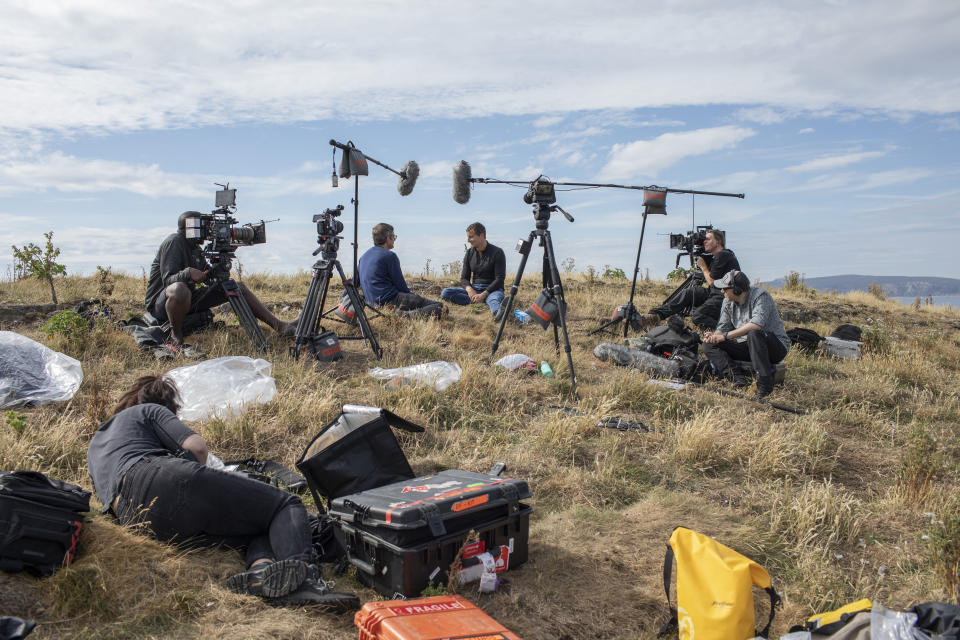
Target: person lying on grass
(148, 467)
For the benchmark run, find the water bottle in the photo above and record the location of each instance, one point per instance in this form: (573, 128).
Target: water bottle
(521, 316)
(545, 369)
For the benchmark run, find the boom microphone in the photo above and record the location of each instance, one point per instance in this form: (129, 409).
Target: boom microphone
(461, 182)
(408, 177)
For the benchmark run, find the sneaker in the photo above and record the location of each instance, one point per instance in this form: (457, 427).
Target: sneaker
(740, 381)
(272, 580)
(315, 592)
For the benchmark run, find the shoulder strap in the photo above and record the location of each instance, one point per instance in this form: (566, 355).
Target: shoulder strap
(671, 625)
(774, 603)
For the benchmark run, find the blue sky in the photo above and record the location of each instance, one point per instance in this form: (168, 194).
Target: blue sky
(838, 120)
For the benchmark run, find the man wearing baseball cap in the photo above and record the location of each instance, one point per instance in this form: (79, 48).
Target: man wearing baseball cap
(749, 328)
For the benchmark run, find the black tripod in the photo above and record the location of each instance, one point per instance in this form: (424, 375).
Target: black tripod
(627, 313)
(309, 322)
(551, 278)
(220, 275)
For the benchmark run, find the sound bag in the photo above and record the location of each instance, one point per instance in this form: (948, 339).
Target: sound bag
(714, 590)
(356, 452)
(40, 522)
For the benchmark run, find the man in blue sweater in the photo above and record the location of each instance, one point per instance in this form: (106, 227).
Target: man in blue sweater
(382, 280)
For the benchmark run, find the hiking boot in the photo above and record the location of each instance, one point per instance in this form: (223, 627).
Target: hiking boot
(740, 381)
(271, 580)
(764, 388)
(315, 592)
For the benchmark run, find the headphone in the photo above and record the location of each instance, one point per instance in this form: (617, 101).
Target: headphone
(740, 282)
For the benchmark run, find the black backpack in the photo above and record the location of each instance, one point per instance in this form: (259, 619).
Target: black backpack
(40, 521)
(848, 332)
(665, 340)
(805, 339)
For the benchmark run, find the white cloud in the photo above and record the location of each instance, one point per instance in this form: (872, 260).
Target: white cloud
(123, 66)
(805, 131)
(834, 162)
(646, 157)
(761, 115)
(547, 121)
(70, 174)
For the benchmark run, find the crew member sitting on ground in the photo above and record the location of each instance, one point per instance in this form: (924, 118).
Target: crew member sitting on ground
(481, 278)
(148, 467)
(703, 303)
(172, 291)
(750, 328)
(382, 280)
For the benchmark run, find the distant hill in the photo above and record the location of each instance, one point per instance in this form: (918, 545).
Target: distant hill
(892, 285)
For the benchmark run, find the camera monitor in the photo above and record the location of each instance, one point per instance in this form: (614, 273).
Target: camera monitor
(226, 198)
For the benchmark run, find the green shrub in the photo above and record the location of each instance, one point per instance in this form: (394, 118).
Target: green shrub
(69, 324)
(16, 421)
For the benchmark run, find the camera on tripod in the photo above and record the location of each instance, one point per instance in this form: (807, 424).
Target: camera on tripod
(328, 229)
(690, 243)
(219, 228)
(540, 191)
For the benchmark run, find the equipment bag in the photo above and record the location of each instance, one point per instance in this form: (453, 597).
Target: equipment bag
(345, 309)
(664, 340)
(40, 522)
(545, 309)
(714, 589)
(355, 452)
(325, 347)
(805, 339)
(830, 622)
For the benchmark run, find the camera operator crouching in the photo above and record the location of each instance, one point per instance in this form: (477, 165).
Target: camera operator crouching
(702, 303)
(173, 292)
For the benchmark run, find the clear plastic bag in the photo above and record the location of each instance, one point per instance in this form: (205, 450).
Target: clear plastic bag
(516, 361)
(438, 374)
(223, 386)
(887, 624)
(31, 373)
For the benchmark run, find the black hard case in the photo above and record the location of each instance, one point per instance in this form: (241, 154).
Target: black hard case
(40, 522)
(402, 537)
(357, 451)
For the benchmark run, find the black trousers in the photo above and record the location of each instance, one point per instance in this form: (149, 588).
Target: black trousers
(416, 305)
(200, 300)
(191, 505)
(761, 348)
(701, 303)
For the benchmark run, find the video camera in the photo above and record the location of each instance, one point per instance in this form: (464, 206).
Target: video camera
(690, 243)
(540, 191)
(219, 228)
(329, 230)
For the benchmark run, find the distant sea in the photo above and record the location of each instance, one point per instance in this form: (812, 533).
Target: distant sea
(953, 301)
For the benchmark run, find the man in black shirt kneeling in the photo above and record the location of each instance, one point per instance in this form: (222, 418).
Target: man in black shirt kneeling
(703, 303)
(482, 275)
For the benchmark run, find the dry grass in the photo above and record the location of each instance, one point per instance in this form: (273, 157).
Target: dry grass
(831, 501)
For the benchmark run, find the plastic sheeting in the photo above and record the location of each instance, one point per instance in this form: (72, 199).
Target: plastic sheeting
(31, 373)
(223, 387)
(438, 374)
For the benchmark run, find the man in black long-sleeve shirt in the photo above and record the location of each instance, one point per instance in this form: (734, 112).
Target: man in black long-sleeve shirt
(172, 291)
(482, 275)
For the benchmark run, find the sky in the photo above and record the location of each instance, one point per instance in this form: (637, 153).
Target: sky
(839, 121)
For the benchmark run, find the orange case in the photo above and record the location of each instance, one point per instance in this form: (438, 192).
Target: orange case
(436, 618)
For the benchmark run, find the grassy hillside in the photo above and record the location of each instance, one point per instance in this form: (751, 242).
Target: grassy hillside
(836, 503)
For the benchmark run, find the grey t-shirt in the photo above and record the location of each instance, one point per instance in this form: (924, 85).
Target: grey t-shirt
(760, 309)
(124, 439)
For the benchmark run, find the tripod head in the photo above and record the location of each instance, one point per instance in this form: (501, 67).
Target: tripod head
(543, 196)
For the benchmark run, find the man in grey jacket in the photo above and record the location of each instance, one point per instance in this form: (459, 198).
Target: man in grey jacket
(749, 328)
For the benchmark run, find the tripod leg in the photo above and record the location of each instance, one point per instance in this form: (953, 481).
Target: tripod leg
(360, 314)
(242, 310)
(307, 325)
(558, 294)
(513, 297)
(636, 271)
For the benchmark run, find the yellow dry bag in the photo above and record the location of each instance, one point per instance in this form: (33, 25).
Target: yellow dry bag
(714, 589)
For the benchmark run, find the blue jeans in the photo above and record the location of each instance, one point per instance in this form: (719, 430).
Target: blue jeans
(458, 295)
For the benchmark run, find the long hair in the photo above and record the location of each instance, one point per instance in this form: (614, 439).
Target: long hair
(156, 389)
